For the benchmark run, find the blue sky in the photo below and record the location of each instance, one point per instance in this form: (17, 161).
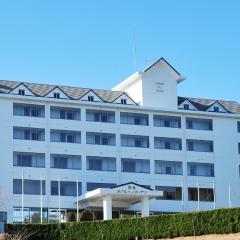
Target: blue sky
(90, 43)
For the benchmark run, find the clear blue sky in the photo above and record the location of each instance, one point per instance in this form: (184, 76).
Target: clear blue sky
(90, 43)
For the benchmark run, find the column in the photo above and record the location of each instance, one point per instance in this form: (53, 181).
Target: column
(107, 207)
(145, 206)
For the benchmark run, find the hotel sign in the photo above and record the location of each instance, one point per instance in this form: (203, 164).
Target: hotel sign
(132, 190)
(159, 87)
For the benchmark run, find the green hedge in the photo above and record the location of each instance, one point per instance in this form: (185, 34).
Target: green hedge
(161, 226)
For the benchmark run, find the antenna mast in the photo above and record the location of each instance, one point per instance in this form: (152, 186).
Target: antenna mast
(134, 51)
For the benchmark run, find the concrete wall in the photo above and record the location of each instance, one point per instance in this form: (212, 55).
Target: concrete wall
(225, 156)
(159, 87)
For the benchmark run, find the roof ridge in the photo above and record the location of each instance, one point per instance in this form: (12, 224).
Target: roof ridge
(54, 85)
(209, 99)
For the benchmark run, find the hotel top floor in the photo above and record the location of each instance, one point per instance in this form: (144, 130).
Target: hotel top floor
(153, 88)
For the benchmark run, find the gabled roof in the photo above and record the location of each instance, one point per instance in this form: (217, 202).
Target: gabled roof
(203, 104)
(21, 84)
(75, 93)
(218, 103)
(57, 88)
(124, 184)
(94, 93)
(162, 59)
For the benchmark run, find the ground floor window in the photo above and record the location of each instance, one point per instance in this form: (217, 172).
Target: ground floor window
(205, 194)
(29, 215)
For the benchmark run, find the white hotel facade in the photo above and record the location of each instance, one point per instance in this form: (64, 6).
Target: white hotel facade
(78, 139)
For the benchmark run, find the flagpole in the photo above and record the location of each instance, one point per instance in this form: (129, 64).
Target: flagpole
(77, 199)
(59, 201)
(198, 205)
(41, 200)
(22, 197)
(229, 196)
(182, 196)
(214, 196)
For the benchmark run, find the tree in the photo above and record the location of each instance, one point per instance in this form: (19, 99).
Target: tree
(71, 217)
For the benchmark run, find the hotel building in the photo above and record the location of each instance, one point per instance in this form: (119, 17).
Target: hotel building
(58, 142)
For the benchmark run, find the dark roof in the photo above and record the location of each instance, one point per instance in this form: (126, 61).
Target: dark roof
(163, 59)
(204, 104)
(108, 96)
(124, 184)
(74, 93)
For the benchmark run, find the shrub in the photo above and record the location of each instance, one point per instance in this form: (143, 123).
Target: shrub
(71, 217)
(160, 226)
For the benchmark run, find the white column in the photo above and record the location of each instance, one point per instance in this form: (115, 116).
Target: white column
(229, 196)
(214, 196)
(59, 201)
(107, 207)
(198, 195)
(145, 206)
(22, 197)
(77, 199)
(41, 199)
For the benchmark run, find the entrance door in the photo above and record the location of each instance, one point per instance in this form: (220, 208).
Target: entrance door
(53, 215)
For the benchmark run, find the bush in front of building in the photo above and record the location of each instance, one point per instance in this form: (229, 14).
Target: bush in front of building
(221, 221)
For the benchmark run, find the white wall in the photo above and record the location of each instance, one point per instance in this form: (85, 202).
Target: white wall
(225, 156)
(159, 87)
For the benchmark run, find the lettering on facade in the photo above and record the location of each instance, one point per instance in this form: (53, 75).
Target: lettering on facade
(159, 87)
(132, 190)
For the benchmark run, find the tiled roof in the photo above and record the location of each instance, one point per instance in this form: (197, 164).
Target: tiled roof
(204, 104)
(72, 92)
(109, 96)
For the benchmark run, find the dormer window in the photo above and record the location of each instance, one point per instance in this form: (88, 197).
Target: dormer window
(90, 98)
(56, 95)
(123, 101)
(186, 106)
(21, 92)
(216, 109)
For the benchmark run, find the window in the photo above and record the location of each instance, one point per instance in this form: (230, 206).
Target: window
(91, 98)
(100, 116)
(67, 188)
(28, 110)
(200, 169)
(56, 95)
(216, 109)
(96, 163)
(21, 92)
(238, 126)
(123, 101)
(134, 118)
(31, 187)
(238, 148)
(93, 185)
(3, 217)
(135, 165)
(134, 141)
(167, 121)
(107, 139)
(168, 167)
(65, 136)
(199, 124)
(65, 113)
(32, 215)
(199, 145)
(34, 134)
(62, 161)
(205, 194)
(167, 143)
(21, 159)
(169, 192)
(186, 106)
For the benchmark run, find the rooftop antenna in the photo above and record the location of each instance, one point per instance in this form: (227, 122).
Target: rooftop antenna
(134, 51)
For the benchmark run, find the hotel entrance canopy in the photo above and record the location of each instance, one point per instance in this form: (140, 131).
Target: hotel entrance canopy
(119, 197)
